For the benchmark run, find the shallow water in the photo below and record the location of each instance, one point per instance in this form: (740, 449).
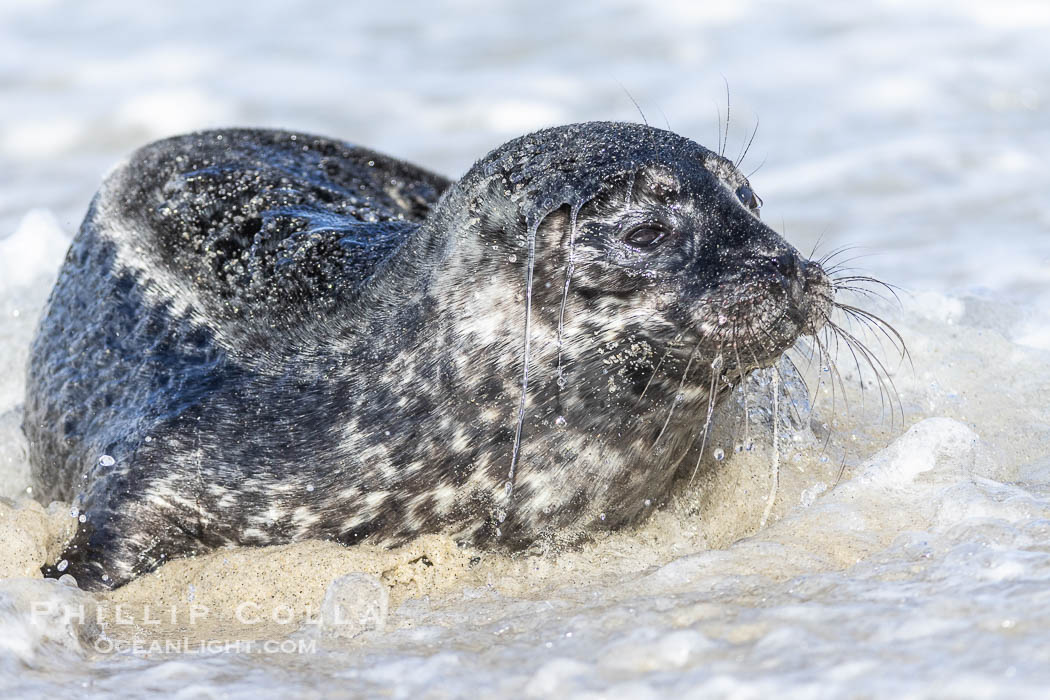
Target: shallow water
(907, 552)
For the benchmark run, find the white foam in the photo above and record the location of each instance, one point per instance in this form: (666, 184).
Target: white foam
(33, 252)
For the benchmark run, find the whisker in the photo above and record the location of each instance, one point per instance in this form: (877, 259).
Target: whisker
(752, 173)
(791, 362)
(860, 375)
(718, 127)
(835, 252)
(813, 395)
(883, 327)
(833, 368)
(867, 327)
(725, 139)
(866, 293)
(743, 154)
(882, 375)
(666, 120)
(635, 102)
(841, 264)
(820, 239)
(869, 280)
(670, 347)
(776, 368)
(842, 468)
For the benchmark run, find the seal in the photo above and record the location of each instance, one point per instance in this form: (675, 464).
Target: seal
(260, 337)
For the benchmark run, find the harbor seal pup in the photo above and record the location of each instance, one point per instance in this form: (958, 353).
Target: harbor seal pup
(260, 337)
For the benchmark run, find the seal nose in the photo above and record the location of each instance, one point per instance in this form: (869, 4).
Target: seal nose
(811, 273)
(785, 269)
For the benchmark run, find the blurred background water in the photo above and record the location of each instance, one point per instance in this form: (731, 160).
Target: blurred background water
(917, 130)
(912, 128)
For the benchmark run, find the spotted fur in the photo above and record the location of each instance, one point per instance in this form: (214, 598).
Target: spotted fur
(279, 337)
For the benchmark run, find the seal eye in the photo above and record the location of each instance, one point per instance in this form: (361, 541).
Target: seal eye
(749, 198)
(645, 236)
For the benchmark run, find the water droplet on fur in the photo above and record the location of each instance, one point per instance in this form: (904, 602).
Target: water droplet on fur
(106, 461)
(508, 488)
(512, 258)
(648, 502)
(561, 381)
(74, 512)
(501, 515)
(602, 516)
(67, 580)
(719, 454)
(717, 363)
(82, 518)
(62, 565)
(679, 398)
(560, 421)
(722, 320)
(310, 487)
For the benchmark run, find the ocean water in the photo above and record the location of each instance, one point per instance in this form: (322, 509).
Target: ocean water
(907, 549)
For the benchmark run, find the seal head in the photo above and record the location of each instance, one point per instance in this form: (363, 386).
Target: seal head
(644, 286)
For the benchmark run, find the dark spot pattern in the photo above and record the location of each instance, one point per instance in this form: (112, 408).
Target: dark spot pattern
(277, 336)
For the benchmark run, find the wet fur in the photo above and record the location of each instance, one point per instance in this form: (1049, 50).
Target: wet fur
(280, 337)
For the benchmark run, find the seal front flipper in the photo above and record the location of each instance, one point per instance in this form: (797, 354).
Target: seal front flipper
(128, 530)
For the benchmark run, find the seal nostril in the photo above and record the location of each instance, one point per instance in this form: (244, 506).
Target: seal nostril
(785, 270)
(787, 264)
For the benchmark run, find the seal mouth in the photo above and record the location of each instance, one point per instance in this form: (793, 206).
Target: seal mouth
(753, 318)
(817, 297)
(808, 294)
